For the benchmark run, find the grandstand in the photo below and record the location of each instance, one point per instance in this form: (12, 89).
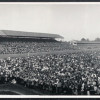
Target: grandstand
(8, 35)
(89, 44)
(17, 42)
(33, 35)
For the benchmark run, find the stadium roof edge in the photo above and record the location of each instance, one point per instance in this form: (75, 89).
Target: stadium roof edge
(2, 33)
(28, 34)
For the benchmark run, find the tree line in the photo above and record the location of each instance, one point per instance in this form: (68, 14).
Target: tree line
(87, 40)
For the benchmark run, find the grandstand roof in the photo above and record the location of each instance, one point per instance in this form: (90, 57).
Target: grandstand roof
(2, 33)
(28, 34)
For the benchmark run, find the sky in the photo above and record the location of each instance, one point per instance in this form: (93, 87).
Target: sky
(72, 21)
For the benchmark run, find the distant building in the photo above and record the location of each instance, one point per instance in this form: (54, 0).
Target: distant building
(73, 42)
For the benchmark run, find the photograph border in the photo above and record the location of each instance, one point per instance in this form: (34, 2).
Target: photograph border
(49, 96)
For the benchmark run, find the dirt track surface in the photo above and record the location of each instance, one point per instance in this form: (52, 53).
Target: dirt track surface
(43, 53)
(18, 89)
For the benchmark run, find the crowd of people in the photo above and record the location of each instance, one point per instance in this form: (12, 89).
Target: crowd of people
(69, 74)
(15, 47)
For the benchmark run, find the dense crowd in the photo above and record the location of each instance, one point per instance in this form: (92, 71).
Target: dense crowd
(70, 73)
(32, 47)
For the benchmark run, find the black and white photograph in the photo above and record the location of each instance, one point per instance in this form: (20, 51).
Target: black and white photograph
(50, 49)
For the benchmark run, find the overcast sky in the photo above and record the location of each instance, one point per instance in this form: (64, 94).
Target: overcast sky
(72, 21)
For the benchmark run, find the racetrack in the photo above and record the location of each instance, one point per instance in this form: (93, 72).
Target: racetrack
(44, 53)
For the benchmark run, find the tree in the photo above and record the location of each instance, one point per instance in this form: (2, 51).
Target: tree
(83, 39)
(87, 40)
(97, 40)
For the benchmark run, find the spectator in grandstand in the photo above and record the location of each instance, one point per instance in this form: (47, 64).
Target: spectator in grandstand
(20, 47)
